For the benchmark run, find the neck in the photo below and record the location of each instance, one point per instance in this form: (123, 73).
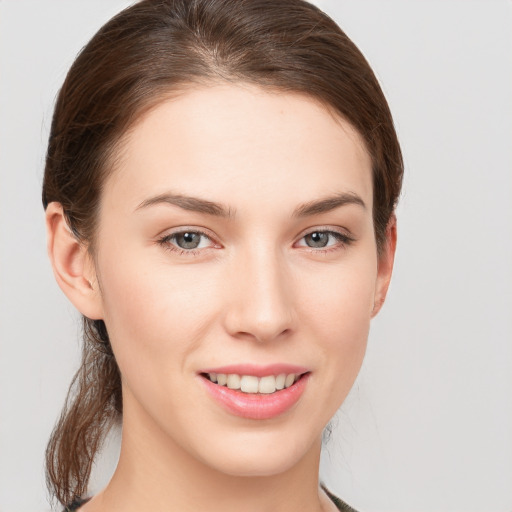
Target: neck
(154, 473)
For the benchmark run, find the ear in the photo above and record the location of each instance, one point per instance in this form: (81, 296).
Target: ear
(72, 264)
(385, 266)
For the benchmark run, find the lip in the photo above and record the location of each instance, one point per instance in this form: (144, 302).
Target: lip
(257, 370)
(256, 406)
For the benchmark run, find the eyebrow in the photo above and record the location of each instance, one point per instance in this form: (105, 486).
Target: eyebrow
(194, 204)
(199, 205)
(328, 204)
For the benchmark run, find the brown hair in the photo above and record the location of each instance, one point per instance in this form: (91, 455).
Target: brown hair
(145, 52)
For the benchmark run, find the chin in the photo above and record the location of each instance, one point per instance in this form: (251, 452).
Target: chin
(262, 456)
(257, 466)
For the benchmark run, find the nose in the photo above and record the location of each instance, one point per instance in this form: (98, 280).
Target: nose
(261, 305)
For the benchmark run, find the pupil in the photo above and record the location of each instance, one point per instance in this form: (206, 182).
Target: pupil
(317, 239)
(188, 240)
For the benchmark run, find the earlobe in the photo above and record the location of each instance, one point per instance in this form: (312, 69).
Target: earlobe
(72, 265)
(385, 266)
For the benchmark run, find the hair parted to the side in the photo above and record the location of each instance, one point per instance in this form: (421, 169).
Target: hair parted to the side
(142, 55)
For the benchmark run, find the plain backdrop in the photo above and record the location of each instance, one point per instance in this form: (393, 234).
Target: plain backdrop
(428, 425)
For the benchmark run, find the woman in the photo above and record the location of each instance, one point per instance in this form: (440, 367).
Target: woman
(220, 187)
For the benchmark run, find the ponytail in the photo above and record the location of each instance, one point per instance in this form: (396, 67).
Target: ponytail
(92, 405)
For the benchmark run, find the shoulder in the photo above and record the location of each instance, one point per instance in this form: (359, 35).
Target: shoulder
(72, 507)
(340, 504)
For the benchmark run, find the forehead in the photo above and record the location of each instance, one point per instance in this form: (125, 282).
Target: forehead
(241, 142)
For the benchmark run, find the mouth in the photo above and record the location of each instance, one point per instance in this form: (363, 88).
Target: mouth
(250, 384)
(256, 397)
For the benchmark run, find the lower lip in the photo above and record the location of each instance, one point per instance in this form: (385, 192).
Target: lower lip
(257, 406)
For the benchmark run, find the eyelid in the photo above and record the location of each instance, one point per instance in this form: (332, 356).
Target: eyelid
(184, 229)
(343, 237)
(164, 240)
(324, 229)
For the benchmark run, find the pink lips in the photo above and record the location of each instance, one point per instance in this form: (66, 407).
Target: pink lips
(257, 371)
(257, 406)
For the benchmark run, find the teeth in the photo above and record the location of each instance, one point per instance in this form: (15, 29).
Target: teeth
(250, 384)
(233, 381)
(290, 379)
(267, 384)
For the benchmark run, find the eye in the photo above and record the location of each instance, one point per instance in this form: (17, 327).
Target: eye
(321, 239)
(187, 241)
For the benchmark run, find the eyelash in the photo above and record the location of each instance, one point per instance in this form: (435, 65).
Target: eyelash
(165, 242)
(343, 241)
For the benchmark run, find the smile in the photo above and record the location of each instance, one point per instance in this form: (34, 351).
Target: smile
(256, 393)
(252, 384)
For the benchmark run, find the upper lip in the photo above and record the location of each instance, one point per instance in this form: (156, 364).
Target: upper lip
(257, 370)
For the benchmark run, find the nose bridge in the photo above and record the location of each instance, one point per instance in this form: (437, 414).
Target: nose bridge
(262, 304)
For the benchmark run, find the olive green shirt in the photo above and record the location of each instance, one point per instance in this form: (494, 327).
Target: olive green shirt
(342, 506)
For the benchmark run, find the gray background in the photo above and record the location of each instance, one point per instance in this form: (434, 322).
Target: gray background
(428, 425)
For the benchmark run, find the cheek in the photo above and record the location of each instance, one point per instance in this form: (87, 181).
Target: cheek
(339, 311)
(343, 299)
(155, 315)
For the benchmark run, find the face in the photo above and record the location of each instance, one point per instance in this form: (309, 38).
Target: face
(236, 239)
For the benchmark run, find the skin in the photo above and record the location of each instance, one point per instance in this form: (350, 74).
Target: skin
(253, 291)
